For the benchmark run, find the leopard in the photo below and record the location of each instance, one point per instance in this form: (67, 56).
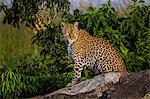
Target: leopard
(95, 53)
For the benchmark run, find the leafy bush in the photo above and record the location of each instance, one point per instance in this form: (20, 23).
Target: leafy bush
(39, 74)
(24, 10)
(34, 75)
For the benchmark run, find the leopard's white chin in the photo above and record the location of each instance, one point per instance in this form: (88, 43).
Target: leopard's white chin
(66, 41)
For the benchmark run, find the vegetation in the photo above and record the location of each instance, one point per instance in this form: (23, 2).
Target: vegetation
(14, 43)
(23, 10)
(50, 69)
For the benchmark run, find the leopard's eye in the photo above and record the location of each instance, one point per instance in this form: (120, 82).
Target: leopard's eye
(69, 35)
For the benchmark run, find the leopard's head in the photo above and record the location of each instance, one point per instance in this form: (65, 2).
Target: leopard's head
(70, 32)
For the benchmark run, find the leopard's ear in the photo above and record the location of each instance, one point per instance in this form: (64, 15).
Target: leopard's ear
(76, 24)
(63, 24)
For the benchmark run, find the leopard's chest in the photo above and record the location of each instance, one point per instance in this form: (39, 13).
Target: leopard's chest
(70, 52)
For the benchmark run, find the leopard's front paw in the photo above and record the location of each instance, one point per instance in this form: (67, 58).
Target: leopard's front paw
(72, 83)
(69, 84)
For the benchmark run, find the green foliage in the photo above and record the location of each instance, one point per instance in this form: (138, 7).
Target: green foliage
(34, 75)
(18, 79)
(24, 10)
(52, 43)
(37, 74)
(62, 5)
(129, 34)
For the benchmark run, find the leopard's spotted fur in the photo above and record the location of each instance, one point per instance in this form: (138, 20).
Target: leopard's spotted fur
(85, 50)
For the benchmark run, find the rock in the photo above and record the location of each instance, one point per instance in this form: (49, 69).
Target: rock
(147, 96)
(134, 86)
(107, 86)
(89, 85)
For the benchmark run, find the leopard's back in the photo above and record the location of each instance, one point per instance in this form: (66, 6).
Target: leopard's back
(97, 54)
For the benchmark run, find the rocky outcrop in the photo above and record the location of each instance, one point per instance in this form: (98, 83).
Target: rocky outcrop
(134, 86)
(107, 86)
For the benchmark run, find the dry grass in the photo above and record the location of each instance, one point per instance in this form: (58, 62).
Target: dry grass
(15, 43)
